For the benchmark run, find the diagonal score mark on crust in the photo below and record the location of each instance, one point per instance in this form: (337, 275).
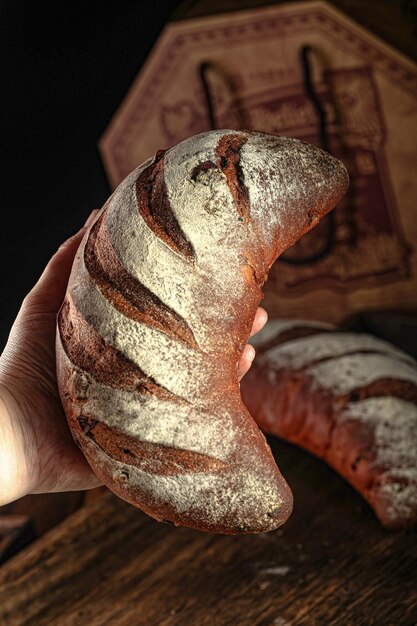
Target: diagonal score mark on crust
(125, 292)
(286, 336)
(153, 458)
(228, 161)
(155, 208)
(105, 364)
(396, 388)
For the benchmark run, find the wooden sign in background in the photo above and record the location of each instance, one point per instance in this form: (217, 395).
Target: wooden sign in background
(369, 93)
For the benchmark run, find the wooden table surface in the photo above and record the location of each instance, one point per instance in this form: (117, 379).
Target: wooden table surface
(331, 564)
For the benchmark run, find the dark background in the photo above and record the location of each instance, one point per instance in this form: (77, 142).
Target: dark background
(65, 67)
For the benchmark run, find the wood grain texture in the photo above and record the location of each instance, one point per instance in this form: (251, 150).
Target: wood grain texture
(16, 532)
(331, 564)
(45, 510)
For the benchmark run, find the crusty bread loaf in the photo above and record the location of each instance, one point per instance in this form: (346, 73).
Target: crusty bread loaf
(349, 398)
(159, 307)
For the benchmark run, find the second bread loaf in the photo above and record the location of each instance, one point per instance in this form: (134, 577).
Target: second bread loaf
(349, 398)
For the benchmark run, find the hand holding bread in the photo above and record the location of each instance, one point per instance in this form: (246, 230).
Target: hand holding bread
(37, 451)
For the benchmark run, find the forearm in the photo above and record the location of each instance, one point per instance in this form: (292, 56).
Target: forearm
(15, 450)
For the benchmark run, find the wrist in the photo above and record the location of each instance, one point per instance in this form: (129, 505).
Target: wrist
(16, 450)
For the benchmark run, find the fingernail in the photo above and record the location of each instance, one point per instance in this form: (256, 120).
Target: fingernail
(264, 314)
(251, 353)
(91, 217)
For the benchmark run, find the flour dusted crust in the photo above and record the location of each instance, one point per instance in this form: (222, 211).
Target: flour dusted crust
(351, 399)
(159, 307)
(383, 461)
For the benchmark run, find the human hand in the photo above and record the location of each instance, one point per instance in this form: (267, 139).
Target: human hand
(37, 452)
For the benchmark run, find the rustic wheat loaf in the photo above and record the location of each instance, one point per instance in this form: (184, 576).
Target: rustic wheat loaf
(351, 399)
(159, 306)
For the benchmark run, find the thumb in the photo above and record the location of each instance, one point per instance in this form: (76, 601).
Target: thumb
(48, 293)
